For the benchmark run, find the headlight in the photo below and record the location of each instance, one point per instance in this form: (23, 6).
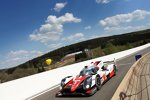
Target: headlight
(87, 83)
(87, 86)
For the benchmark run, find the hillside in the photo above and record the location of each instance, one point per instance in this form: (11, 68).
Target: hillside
(96, 47)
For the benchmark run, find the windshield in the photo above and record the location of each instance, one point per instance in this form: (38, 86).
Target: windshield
(86, 72)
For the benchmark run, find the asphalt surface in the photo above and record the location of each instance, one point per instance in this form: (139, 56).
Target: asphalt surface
(108, 89)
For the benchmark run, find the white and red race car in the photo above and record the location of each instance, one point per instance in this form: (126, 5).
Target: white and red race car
(90, 79)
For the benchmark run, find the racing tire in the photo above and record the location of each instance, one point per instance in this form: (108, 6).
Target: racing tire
(115, 69)
(98, 82)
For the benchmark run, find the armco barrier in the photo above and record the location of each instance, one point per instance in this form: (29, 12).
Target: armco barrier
(27, 87)
(135, 85)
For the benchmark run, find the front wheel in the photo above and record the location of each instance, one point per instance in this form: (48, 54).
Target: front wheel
(98, 83)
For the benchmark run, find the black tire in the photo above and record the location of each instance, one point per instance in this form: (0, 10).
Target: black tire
(115, 69)
(98, 82)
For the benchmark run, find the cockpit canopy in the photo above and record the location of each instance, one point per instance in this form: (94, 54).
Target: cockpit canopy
(89, 71)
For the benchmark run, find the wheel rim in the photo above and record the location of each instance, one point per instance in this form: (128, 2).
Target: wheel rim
(98, 81)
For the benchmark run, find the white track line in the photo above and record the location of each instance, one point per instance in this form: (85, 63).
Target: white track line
(32, 97)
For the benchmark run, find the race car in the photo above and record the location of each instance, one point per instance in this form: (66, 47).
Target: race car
(90, 79)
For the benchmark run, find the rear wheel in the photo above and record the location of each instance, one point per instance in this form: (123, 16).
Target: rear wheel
(98, 83)
(115, 69)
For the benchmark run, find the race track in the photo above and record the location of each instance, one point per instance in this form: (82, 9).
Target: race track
(107, 90)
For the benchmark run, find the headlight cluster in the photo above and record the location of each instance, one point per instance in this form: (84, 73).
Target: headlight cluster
(87, 83)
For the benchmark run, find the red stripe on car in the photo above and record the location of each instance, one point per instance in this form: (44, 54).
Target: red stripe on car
(76, 82)
(112, 73)
(104, 77)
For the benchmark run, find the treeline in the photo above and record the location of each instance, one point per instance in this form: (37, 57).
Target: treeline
(97, 47)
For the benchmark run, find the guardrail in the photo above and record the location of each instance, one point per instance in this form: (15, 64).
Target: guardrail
(135, 85)
(27, 87)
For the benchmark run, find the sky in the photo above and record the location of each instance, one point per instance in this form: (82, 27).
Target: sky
(31, 28)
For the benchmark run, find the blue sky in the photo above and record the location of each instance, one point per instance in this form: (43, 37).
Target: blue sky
(30, 28)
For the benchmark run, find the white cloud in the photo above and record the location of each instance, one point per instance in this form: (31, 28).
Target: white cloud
(54, 45)
(110, 29)
(125, 29)
(68, 17)
(23, 54)
(59, 6)
(17, 53)
(74, 37)
(87, 27)
(123, 23)
(103, 1)
(111, 22)
(14, 58)
(53, 28)
(99, 35)
(93, 37)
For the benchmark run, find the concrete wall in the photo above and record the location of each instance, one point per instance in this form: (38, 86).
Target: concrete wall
(134, 86)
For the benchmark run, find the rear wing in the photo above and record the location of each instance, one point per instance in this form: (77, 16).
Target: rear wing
(110, 62)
